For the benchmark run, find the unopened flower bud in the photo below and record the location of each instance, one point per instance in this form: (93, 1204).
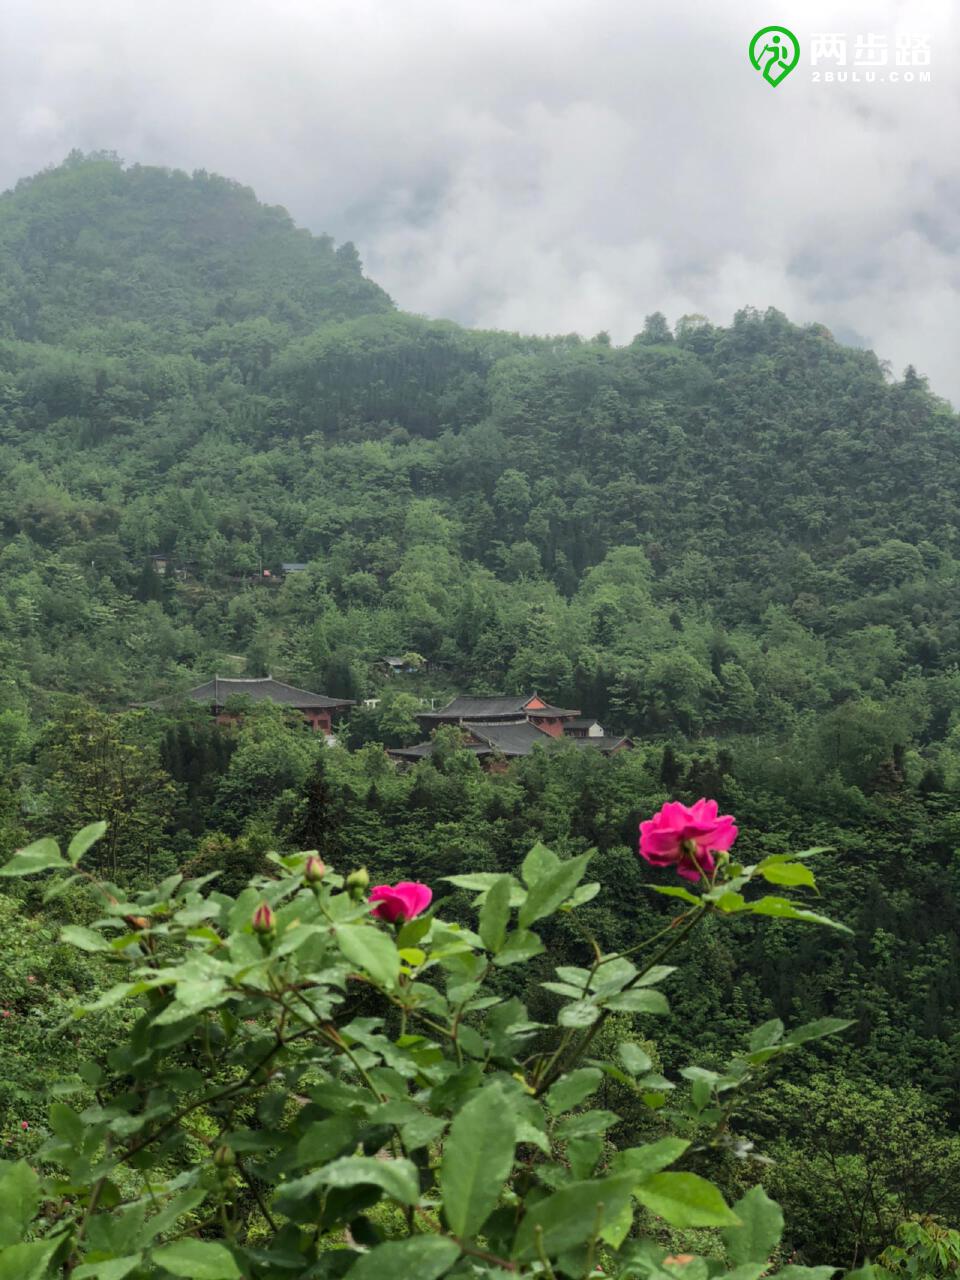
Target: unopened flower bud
(224, 1157)
(357, 882)
(315, 870)
(263, 921)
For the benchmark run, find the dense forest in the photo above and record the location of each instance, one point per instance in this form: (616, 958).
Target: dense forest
(737, 545)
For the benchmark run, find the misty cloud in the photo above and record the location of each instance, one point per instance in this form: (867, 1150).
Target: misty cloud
(571, 165)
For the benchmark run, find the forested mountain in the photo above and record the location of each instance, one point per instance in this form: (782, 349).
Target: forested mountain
(739, 545)
(712, 531)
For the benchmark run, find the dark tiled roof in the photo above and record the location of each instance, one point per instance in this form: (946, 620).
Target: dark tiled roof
(582, 722)
(216, 692)
(496, 708)
(466, 708)
(606, 744)
(510, 739)
(423, 750)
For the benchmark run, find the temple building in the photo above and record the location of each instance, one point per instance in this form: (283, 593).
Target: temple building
(501, 710)
(316, 708)
(499, 729)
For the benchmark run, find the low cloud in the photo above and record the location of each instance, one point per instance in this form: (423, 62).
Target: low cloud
(547, 167)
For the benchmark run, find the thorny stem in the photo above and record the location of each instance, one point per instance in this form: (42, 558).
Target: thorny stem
(696, 915)
(455, 1024)
(212, 1097)
(595, 1235)
(674, 924)
(548, 1271)
(87, 1214)
(271, 1222)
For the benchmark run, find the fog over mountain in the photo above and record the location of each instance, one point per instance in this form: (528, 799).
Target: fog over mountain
(546, 166)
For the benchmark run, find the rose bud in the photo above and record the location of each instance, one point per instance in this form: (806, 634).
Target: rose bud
(357, 882)
(263, 920)
(315, 870)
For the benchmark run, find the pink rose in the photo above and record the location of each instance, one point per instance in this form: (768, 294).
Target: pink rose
(687, 837)
(24, 1124)
(400, 901)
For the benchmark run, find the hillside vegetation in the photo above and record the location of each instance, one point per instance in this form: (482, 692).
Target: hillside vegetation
(738, 545)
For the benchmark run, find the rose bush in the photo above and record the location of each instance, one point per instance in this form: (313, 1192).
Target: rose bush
(322, 1082)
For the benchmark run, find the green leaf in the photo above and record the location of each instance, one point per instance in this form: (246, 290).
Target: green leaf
(783, 909)
(615, 1231)
(730, 903)
(634, 1058)
(551, 888)
(656, 973)
(420, 1258)
(480, 880)
(39, 856)
(174, 1208)
(685, 1200)
(584, 893)
(520, 946)
(582, 1014)
(66, 1124)
(113, 995)
(789, 873)
(676, 891)
(19, 1198)
(85, 939)
(85, 840)
(540, 861)
(198, 1260)
(57, 888)
(477, 1159)
(572, 1215)
(805, 1273)
(370, 950)
(112, 1269)
(572, 1089)
(761, 1225)
(27, 1261)
(766, 1035)
(495, 913)
(638, 1000)
(325, 1139)
(584, 1124)
(412, 931)
(817, 1030)
(398, 1178)
(644, 1162)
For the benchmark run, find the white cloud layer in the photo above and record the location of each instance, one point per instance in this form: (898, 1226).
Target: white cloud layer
(542, 166)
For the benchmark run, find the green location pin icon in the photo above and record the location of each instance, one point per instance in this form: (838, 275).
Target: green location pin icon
(774, 51)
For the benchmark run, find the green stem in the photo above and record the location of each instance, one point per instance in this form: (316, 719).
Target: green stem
(548, 1271)
(592, 1247)
(333, 1037)
(257, 1196)
(695, 915)
(648, 942)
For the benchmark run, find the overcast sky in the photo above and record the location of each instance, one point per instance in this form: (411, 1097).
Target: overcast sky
(542, 165)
